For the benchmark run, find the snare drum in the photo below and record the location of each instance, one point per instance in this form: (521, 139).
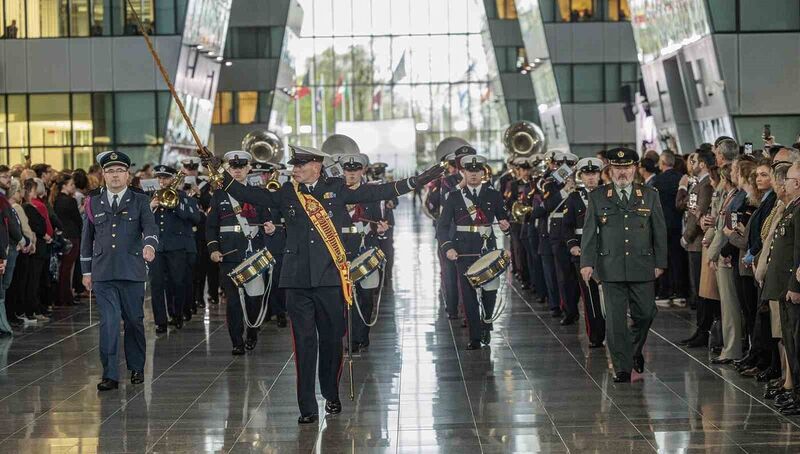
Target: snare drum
(366, 263)
(252, 267)
(488, 267)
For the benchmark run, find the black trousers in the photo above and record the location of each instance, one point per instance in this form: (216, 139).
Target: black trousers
(189, 303)
(469, 297)
(199, 274)
(121, 300)
(32, 285)
(592, 310)
(695, 260)
(366, 301)
(213, 273)
(748, 296)
(790, 329)
(277, 296)
(707, 310)
(551, 281)
(318, 324)
(168, 284)
(673, 281)
(449, 285)
(518, 252)
(535, 270)
(387, 246)
(233, 309)
(566, 278)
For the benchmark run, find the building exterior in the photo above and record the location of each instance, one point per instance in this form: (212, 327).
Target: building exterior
(77, 80)
(722, 67)
(584, 70)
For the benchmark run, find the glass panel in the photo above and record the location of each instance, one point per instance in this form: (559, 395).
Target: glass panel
(82, 119)
(103, 118)
(438, 16)
(135, 117)
(785, 129)
(323, 18)
(3, 130)
(142, 155)
(264, 105)
(59, 158)
(181, 14)
(723, 15)
(400, 17)
(769, 15)
(79, 17)
(612, 82)
(16, 156)
(459, 17)
(223, 108)
(506, 9)
(587, 83)
(275, 41)
(101, 18)
(243, 42)
(15, 19)
(548, 10)
(118, 8)
(419, 56)
(247, 106)
(363, 13)
(342, 18)
(165, 14)
(82, 157)
(563, 75)
(565, 14)
(163, 98)
(144, 8)
(624, 11)
(420, 20)
(47, 18)
(49, 120)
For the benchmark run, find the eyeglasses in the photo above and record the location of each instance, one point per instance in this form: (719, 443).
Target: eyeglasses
(113, 171)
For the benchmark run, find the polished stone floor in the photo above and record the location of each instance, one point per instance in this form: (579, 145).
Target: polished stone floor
(537, 388)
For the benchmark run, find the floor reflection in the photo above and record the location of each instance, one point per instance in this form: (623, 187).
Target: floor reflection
(537, 388)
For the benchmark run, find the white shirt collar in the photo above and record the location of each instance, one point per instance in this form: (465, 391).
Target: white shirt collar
(120, 195)
(311, 186)
(477, 189)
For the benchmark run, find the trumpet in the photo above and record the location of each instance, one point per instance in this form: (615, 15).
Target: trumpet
(519, 210)
(273, 184)
(168, 197)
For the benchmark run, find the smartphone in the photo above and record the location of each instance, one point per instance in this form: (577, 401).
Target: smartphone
(748, 148)
(734, 219)
(692, 201)
(767, 132)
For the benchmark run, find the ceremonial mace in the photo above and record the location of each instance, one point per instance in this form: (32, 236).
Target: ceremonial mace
(214, 175)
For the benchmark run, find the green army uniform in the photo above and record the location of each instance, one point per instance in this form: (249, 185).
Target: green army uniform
(624, 243)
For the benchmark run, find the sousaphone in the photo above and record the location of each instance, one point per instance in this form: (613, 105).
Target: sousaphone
(524, 139)
(265, 146)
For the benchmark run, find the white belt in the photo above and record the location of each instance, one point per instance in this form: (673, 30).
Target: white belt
(230, 229)
(578, 231)
(482, 229)
(353, 229)
(556, 215)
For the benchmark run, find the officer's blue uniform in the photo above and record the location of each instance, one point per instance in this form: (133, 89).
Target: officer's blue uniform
(171, 271)
(111, 251)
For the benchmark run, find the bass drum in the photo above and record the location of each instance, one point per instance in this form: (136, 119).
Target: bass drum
(485, 273)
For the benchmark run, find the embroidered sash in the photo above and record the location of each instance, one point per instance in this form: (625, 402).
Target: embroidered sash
(324, 225)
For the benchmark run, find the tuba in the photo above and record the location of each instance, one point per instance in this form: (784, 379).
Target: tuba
(524, 139)
(265, 146)
(168, 197)
(519, 210)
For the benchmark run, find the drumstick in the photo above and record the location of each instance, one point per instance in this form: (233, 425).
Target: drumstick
(371, 222)
(229, 252)
(469, 255)
(263, 224)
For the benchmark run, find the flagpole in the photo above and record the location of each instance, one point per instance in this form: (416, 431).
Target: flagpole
(313, 111)
(296, 114)
(352, 95)
(343, 102)
(323, 106)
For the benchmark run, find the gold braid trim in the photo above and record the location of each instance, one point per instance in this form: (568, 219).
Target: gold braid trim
(330, 237)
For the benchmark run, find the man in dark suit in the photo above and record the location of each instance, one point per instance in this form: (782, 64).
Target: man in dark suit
(472, 212)
(671, 285)
(314, 263)
(120, 235)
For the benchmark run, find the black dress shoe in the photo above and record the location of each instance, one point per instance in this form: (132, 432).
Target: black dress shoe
(486, 337)
(213, 301)
(773, 393)
(238, 350)
(699, 341)
(793, 410)
(786, 402)
(188, 317)
(775, 384)
(107, 385)
(596, 344)
(768, 375)
(361, 347)
(173, 321)
(622, 377)
(179, 323)
(719, 360)
(684, 342)
(201, 304)
(555, 313)
(638, 363)
(464, 323)
(525, 286)
(716, 350)
(452, 317)
(752, 372)
(569, 320)
(137, 378)
(541, 300)
(474, 345)
(310, 419)
(333, 407)
(161, 329)
(250, 344)
(281, 321)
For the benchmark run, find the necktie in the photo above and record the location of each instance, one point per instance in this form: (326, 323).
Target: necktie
(114, 204)
(624, 196)
(309, 189)
(474, 194)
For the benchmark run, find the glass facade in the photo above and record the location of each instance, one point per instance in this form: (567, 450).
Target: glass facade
(665, 26)
(81, 18)
(67, 129)
(596, 82)
(370, 60)
(736, 16)
(585, 10)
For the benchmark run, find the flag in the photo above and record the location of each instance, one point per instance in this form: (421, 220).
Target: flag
(469, 71)
(319, 99)
(377, 94)
(340, 92)
(486, 94)
(302, 89)
(400, 70)
(463, 97)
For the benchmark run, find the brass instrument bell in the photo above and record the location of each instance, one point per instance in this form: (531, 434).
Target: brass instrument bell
(524, 138)
(264, 146)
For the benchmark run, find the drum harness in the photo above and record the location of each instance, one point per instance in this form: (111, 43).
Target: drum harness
(250, 232)
(361, 249)
(485, 235)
